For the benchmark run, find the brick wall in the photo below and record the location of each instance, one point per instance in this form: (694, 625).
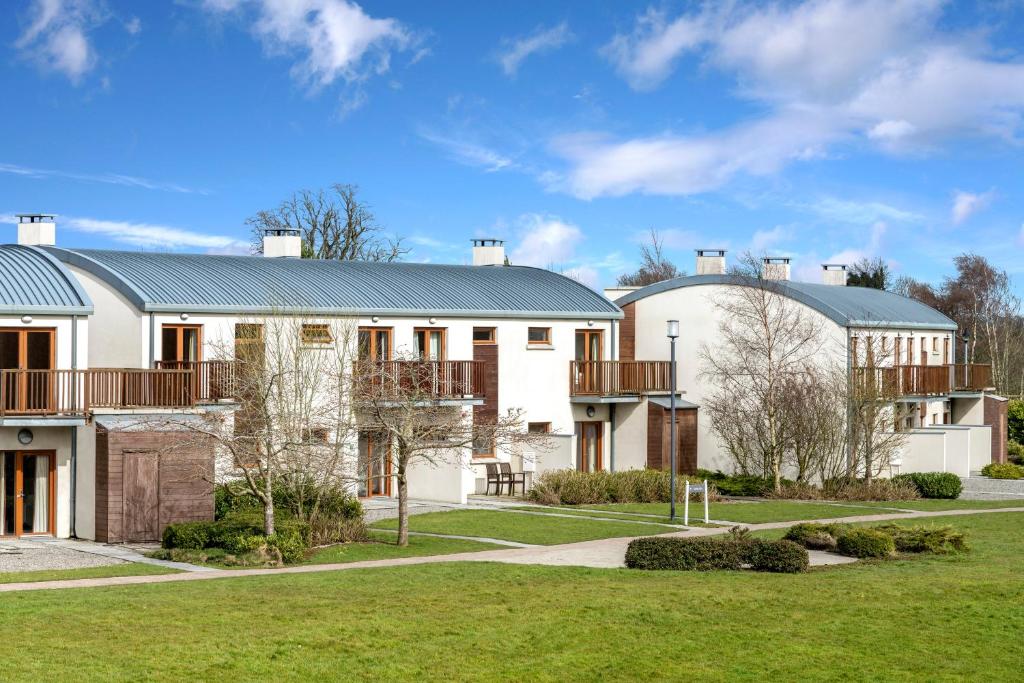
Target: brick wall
(996, 416)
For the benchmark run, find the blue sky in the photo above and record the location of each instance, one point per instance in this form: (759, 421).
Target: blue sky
(825, 130)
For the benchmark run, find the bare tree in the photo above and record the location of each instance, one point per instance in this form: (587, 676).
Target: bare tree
(399, 402)
(334, 224)
(654, 266)
(815, 415)
(876, 383)
(766, 341)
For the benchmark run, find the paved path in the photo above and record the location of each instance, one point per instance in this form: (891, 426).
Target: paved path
(602, 553)
(118, 553)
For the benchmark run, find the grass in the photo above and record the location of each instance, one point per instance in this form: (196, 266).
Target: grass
(743, 511)
(383, 547)
(121, 569)
(511, 526)
(926, 618)
(943, 505)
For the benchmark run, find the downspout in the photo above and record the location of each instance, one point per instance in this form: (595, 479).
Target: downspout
(611, 406)
(74, 429)
(849, 404)
(152, 340)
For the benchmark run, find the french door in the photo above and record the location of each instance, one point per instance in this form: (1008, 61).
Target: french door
(27, 492)
(589, 446)
(588, 351)
(374, 466)
(182, 343)
(32, 353)
(374, 343)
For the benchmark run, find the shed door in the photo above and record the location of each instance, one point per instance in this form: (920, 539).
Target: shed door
(141, 495)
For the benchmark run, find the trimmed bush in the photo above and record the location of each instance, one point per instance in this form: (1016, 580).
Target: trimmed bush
(815, 536)
(290, 543)
(933, 484)
(876, 489)
(1015, 420)
(784, 557)
(1015, 452)
(737, 484)
(919, 539)
(187, 535)
(1006, 470)
(695, 554)
(864, 543)
(569, 487)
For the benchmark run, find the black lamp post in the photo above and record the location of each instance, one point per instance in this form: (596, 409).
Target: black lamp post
(966, 336)
(673, 334)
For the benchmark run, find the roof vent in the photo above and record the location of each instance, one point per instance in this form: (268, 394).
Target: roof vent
(37, 229)
(282, 242)
(488, 252)
(833, 274)
(775, 268)
(711, 262)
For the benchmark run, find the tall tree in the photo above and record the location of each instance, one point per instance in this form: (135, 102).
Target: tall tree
(873, 273)
(335, 224)
(654, 266)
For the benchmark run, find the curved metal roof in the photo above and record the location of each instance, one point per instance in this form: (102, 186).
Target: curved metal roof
(198, 283)
(34, 282)
(847, 306)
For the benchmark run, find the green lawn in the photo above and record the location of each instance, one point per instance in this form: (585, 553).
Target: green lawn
(943, 505)
(743, 511)
(606, 514)
(511, 526)
(383, 548)
(927, 618)
(123, 569)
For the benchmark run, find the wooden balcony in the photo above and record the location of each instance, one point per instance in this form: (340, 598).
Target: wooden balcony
(619, 377)
(922, 380)
(414, 380)
(78, 393)
(212, 380)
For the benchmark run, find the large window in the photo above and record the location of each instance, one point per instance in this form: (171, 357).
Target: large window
(429, 343)
(27, 349)
(182, 343)
(374, 343)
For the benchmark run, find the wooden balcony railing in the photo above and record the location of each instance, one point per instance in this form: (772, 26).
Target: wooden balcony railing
(922, 380)
(619, 377)
(416, 380)
(57, 393)
(212, 380)
(972, 377)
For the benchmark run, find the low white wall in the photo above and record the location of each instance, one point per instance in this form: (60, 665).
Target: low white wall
(957, 449)
(923, 451)
(559, 455)
(631, 436)
(981, 446)
(450, 480)
(967, 410)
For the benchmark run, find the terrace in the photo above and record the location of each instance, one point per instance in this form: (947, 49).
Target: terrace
(619, 378)
(427, 380)
(924, 380)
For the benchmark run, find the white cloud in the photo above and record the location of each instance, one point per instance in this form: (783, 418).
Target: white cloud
(886, 73)
(334, 39)
(469, 153)
(56, 36)
(868, 250)
(545, 241)
(107, 178)
(154, 236)
(860, 212)
(766, 239)
(541, 40)
(966, 204)
(133, 26)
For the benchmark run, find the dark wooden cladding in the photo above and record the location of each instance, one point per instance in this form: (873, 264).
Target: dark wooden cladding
(996, 416)
(627, 333)
(487, 356)
(617, 377)
(658, 439)
(434, 379)
(147, 480)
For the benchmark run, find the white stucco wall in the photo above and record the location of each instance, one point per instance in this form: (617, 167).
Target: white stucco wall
(924, 450)
(116, 333)
(957, 450)
(631, 435)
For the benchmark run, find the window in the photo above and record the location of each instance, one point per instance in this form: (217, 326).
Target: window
(429, 343)
(483, 447)
(897, 350)
(539, 335)
(538, 427)
(181, 343)
(374, 343)
(316, 333)
(935, 344)
(483, 335)
(316, 435)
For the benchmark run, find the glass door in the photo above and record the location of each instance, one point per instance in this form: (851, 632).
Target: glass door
(588, 355)
(374, 466)
(26, 359)
(26, 493)
(589, 446)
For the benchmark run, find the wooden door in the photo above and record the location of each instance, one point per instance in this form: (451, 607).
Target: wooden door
(589, 446)
(589, 351)
(141, 495)
(27, 493)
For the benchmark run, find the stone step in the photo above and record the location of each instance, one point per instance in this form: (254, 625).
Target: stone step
(979, 487)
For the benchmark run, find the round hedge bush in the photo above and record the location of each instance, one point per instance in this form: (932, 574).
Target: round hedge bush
(934, 484)
(864, 543)
(784, 557)
(814, 536)
(1007, 470)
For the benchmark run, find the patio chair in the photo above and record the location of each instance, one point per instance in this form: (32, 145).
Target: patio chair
(512, 478)
(493, 477)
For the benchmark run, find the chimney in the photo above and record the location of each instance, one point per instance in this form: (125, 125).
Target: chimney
(833, 274)
(711, 262)
(775, 268)
(488, 252)
(283, 242)
(37, 229)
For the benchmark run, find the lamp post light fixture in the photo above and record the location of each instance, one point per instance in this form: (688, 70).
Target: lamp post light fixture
(966, 336)
(672, 333)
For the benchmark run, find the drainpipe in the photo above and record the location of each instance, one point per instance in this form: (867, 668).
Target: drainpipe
(74, 430)
(152, 340)
(849, 404)
(611, 406)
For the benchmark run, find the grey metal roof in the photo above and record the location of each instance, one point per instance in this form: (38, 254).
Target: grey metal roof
(847, 306)
(34, 282)
(198, 283)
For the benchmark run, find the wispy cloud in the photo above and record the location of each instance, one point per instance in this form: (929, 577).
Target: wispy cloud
(515, 51)
(154, 236)
(767, 239)
(966, 204)
(860, 212)
(107, 178)
(56, 38)
(468, 152)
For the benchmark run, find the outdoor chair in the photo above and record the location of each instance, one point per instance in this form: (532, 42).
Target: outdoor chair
(494, 477)
(512, 478)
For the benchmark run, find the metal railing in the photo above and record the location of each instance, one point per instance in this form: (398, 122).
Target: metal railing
(619, 377)
(413, 379)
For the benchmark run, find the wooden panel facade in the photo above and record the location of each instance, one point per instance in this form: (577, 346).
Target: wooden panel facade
(627, 333)
(488, 412)
(659, 425)
(142, 484)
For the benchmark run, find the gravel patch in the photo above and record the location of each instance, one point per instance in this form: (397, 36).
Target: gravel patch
(29, 556)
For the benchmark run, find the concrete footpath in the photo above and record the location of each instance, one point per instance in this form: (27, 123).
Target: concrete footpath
(602, 553)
